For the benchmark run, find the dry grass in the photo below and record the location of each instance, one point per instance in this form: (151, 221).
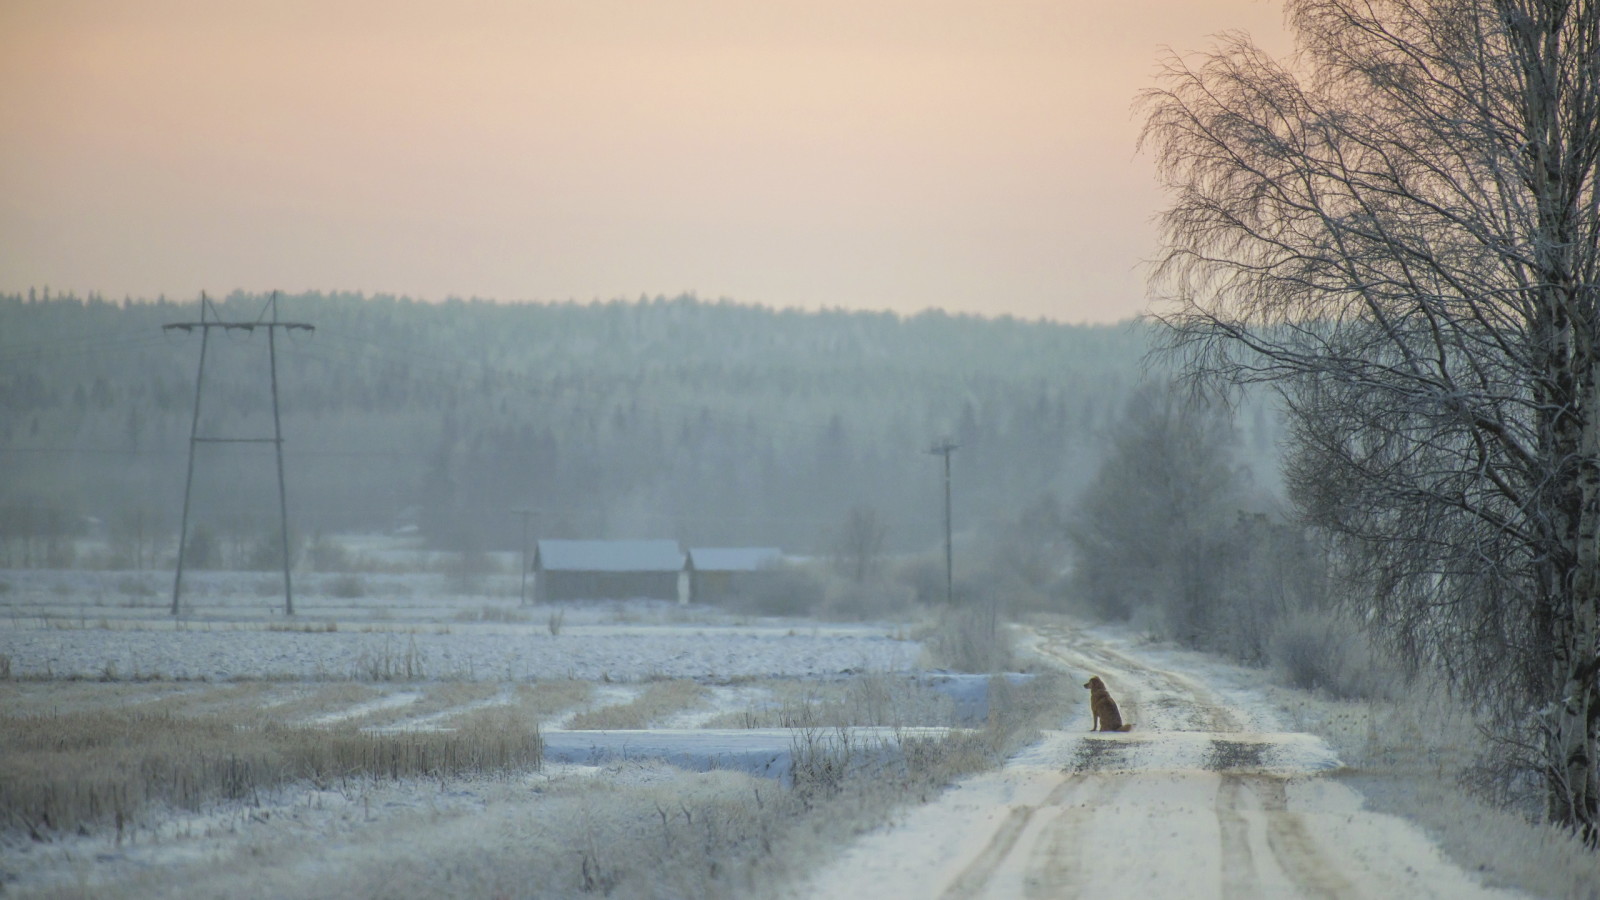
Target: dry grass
(657, 701)
(543, 700)
(225, 699)
(1412, 756)
(502, 614)
(435, 697)
(728, 835)
(327, 627)
(967, 639)
(108, 768)
(323, 700)
(33, 698)
(82, 755)
(870, 699)
(392, 663)
(715, 835)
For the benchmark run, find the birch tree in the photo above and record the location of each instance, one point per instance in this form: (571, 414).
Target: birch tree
(1397, 228)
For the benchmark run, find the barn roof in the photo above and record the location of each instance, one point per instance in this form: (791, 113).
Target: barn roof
(733, 559)
(610, 556)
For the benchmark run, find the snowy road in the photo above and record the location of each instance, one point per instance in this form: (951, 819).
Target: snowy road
(1208, 796)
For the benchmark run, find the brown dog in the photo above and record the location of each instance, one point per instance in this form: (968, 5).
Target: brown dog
(1106, 715)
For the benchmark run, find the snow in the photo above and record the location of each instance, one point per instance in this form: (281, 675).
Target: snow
(1211, 794)
(763, 752)
(77, 625)
(1162, 811)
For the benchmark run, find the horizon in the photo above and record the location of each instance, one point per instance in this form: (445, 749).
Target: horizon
(45, 294)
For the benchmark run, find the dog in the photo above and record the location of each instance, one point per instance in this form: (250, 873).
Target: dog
(1106, 715)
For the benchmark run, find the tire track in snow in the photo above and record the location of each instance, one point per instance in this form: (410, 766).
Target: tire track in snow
(1183, 703)
(1298, 853)
(1198, 801)
(1055, 866)
(975, 877)
(1238, 867)
(1047, 834)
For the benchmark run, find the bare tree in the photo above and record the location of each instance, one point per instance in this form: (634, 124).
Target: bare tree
(1400, 232)
(1152, 528)
(858, 550)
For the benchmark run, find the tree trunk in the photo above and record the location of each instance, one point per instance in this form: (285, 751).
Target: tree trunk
(1575, 732)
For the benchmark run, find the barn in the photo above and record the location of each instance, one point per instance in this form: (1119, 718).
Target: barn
(608, 570)
(718, 573)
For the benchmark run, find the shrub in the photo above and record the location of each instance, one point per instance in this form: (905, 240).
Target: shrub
(265, 553)
(136, 586)
(784, 591)
(348, 586)
(204, 551)
(872, 600)
(968, 639)
(328, 555)
(1323, 652)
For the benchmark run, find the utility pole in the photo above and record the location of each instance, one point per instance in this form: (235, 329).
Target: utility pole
(525, 514)
(944, 448)
(205, 325)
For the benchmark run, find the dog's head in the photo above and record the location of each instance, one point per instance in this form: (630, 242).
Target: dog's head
(1095, 684)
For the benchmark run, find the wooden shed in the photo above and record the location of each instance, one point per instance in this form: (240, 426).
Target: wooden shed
(608, 570)
(717, 573)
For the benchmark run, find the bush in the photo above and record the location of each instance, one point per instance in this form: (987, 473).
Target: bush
(873, 600)
(265, 553)
(924, 575)
(970, 639)
(135, 586)
(204, 551)
(348, 587)
(784, 591)
(1322, 652)
(328, 555)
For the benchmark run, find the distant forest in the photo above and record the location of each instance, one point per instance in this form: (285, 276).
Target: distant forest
(712, 423)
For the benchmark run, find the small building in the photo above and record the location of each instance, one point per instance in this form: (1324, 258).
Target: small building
(608, 570)
(718, 573)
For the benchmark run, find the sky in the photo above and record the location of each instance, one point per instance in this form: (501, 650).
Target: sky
(977, 157)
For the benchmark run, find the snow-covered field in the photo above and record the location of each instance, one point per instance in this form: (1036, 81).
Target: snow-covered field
(1217, 792)
(83, 625)
(416, 654)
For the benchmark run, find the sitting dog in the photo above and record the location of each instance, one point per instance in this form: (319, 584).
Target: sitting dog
(1106, 715)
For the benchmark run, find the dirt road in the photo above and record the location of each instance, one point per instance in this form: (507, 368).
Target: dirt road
(1208, 796)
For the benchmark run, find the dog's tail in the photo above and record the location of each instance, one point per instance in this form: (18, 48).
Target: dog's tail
(1126, 727)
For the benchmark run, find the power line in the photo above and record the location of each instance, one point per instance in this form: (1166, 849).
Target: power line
(205, 327)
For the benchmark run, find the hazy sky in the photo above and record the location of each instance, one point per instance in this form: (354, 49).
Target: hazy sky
(871, 154)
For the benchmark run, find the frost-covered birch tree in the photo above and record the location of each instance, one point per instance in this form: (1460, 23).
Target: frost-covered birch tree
(1398, 228)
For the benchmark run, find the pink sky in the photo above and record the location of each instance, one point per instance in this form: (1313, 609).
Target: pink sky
(865, 154)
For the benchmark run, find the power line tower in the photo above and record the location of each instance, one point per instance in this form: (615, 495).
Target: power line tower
(206, 323)
(944, 448)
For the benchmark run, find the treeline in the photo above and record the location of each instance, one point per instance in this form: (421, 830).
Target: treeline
(709, 422)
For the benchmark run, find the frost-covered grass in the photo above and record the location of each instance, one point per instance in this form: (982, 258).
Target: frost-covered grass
(1412, 757)
(386, 740)
(111, 768)
(873, 698)
(466, 824)
(652, 705)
